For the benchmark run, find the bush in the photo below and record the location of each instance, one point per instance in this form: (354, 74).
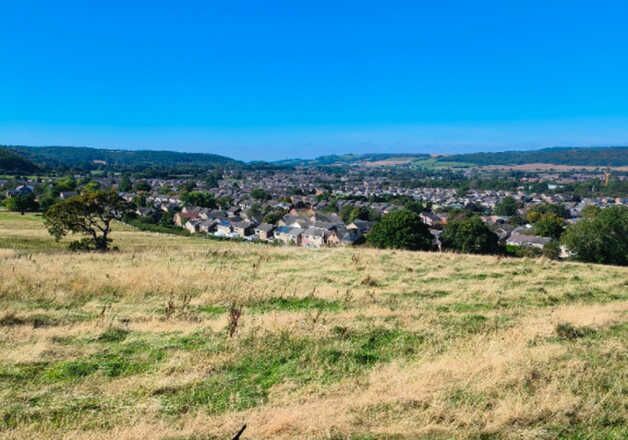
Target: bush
(566, 330)
(552, 250)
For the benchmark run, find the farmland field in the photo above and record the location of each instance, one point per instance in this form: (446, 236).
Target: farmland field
(146, 342)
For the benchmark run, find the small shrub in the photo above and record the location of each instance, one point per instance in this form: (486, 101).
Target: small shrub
(569, 331)
(369, 281)
(113, 334)
(10, 320)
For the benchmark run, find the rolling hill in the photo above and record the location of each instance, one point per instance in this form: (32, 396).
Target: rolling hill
(13, 163)
(84, 158)
(592, 156)
(184, 338)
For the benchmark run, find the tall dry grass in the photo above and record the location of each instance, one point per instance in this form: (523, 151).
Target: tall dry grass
(335, 343)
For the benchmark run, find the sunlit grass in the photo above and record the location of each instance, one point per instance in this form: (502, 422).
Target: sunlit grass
(335, 343)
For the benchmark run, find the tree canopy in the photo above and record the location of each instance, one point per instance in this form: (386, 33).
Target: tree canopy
(549, 225)
(506, 206)
(469, 235)
(401, 229)
(11, 162)
(602, 238)
(22, 202)
(90, 214)
(535, 212)
(200, 198)
(260, 194)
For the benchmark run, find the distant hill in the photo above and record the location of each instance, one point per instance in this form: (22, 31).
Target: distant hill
(84, 158)
(585, 156)
(347, 159)
(589, 156)
(12, 163)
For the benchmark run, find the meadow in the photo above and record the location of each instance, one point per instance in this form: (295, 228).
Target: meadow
(186, 338)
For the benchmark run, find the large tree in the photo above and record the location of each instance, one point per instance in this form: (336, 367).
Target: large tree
(401, 229)
(90, 214)
(549, 225)
(537, 211)
(22, 202)
(506, 206)
(200, 198)
(601, 238)
(469, 235)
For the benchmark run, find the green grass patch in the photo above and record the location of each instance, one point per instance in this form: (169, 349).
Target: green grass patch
(260, 363)
(295, 304)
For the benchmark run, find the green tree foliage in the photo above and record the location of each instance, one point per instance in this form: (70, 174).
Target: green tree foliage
(506, 206)
(91, 186)
(255, 211)
(600, 239)
(167, 219)
(90, 214)
(551, 250)
(224, 202)
(350, 213)
(613, 156)
(125, 184)
(549, 225)
(260, 194)
(212, 180)
(535, 213)
(200, 198)
(22, 203)
(188, 186)
(142, 185)
(401, 229)
(274, 216)
(469, 235)
(12, 163)
(47, 199)
(155, 162)
(590, 211)
(67, 183)
(416, 206)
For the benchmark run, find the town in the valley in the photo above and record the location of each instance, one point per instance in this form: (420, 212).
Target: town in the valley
(316, 206)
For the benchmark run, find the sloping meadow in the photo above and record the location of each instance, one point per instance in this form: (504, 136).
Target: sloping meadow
(185, 338)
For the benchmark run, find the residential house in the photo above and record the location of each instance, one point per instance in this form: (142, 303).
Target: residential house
(288, 235)
(243, 228)
(314, 237)
(223, 228)
(522, 236)
(264, 231)
(180, 218)
(20, 190)
(207, 226)
(192, 225)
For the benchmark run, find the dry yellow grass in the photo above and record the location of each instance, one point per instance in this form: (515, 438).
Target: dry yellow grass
(336, 343)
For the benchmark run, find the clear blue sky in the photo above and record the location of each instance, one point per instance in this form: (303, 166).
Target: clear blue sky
(275, 79)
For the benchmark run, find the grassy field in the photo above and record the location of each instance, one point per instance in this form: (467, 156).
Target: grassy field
(330, 344)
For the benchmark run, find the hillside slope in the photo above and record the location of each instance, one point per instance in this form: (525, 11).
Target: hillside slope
(331, 344)
(84, 158)
(594, 156)
(13, 163)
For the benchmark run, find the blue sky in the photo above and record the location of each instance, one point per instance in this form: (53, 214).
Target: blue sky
(276, 79)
